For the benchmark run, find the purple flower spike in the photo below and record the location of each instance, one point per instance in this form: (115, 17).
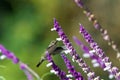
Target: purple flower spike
(27, 70)
(29, 76)
(95, 59)
(56, 70)
(9, 54)
(23, 66)
(71, 69)
(90, 53)
(75, 56)
(91, 17)
(27, 73)
(79, 43)
(79, 3)
(105, 60)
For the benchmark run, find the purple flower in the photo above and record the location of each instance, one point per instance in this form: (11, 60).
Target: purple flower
(108, 65)
(79, 43)
(9, 54)
(89, 53)
(72, 51)
(79, 3)
(27, 73)
(71, 69)
(97, 26)
(56, 70)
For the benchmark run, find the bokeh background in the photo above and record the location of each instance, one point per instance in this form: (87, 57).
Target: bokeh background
(25, 30)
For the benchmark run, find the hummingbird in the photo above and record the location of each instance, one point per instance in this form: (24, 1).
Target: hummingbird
(52, 49)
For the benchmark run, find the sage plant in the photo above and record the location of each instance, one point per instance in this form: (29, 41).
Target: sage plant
(89, 53)
(55, 69)
(91, 17)
(93, 51)
(75, 56)
(101, 54)
(71, 69)
(10, 55)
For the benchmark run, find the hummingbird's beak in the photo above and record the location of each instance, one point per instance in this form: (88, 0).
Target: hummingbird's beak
(41, 61)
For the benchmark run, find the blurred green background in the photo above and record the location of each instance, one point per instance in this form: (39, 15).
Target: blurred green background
(25, 30)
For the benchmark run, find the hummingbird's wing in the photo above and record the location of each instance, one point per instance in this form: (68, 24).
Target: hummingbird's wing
(59, 50)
